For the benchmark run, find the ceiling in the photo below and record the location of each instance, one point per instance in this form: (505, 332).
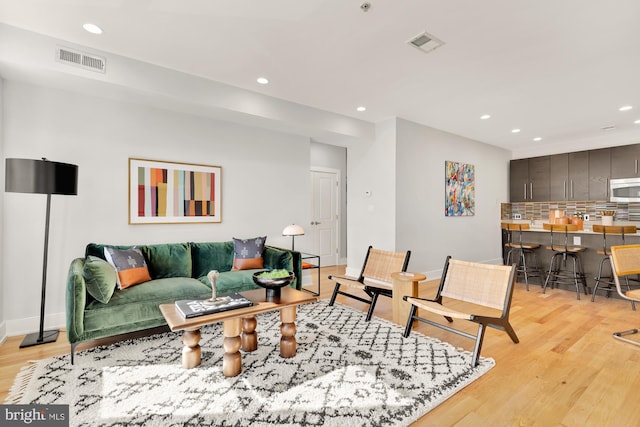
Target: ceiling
(559, 70)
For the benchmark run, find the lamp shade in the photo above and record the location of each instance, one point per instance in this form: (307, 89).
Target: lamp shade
(293, 230)
(41, 177)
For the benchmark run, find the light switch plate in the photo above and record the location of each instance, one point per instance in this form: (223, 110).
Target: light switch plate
(577, 240)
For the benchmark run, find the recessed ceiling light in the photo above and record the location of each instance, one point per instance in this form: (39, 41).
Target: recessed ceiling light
(92, 28)
(361, 108)
(637, 122)
(537, 138)
(485, 116)
(626, 108)
(515, 130)
(262, 80)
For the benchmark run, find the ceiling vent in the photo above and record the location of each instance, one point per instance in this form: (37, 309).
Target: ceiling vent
(425, 42)
(81, 59)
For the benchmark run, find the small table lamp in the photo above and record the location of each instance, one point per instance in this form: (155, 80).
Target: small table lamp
(293, 230)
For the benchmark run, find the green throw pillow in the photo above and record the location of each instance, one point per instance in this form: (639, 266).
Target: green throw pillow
(100, 278)
(168, 260)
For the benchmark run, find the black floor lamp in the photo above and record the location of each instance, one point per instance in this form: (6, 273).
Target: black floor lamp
(41, 177)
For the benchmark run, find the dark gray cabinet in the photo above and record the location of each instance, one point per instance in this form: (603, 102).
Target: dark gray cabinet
(529, 179)
(599, 173)
(518, 180)
(578, 176)
(625, 161)
(559, 177)
(539, 179)
(582, 175)
(569, 176)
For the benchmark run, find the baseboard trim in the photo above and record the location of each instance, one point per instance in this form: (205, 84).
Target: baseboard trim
(3, 332)
(28, 325)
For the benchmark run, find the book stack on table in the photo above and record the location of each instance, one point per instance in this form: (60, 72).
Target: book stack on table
(194, 308)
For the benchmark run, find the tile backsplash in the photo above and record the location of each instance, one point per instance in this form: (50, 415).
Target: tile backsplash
(540, 210)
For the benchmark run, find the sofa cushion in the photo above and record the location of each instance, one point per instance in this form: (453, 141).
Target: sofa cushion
(275, 258)
(247, 253)
(100, 278)
(141, 302)
(130, 266)
(211, 256)
(168, 260)
(97, 250)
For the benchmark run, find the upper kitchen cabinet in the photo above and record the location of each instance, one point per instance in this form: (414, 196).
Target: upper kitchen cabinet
(559, 177)
(599, 174)
(518, 180)
(578, 183)
(624, 161)
(539, 179)
(569, 176)
(529, 179)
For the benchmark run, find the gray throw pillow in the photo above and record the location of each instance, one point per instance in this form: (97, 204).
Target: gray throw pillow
(247, 253)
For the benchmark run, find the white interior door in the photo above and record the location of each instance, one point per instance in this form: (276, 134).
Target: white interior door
(324, 213)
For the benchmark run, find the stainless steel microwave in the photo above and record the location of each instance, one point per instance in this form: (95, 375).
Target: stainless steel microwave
(625, 190)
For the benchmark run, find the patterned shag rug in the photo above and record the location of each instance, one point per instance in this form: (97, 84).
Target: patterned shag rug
(347, 372)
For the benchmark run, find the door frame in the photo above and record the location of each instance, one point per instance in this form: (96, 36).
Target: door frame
(337, 201)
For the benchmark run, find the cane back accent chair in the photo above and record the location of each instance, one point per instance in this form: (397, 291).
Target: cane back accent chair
(484, 288)
(625, 261)
(375, 277)
(611, 231)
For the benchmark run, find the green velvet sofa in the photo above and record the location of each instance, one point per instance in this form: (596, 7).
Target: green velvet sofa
(178, 271)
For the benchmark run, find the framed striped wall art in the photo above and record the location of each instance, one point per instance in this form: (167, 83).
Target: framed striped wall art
(167, 192)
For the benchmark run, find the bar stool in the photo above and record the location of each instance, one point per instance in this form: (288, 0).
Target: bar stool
(606, 251)
(509, 239)
(522, 250)
(557, 274)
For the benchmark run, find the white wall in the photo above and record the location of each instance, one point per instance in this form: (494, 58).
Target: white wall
(330, 156)
(421, 224)
(3, 324)
(99, 135)
(372, 219)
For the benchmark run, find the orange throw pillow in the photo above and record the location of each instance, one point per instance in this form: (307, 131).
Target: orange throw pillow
(130, 266)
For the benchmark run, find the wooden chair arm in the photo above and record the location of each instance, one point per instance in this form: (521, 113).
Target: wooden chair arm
(437, 308)
(352, 282)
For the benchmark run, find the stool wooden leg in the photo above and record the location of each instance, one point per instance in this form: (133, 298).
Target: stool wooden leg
(249, 335)
(288, 331)
(232, 360)
(191, 352)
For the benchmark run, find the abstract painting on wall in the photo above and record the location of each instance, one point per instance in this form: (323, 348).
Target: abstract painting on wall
(460, 189)
(165, 192)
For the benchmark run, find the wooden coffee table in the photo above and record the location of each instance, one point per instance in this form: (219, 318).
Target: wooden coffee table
(239, 327)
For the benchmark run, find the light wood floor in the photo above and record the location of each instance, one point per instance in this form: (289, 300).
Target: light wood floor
(567, 370)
